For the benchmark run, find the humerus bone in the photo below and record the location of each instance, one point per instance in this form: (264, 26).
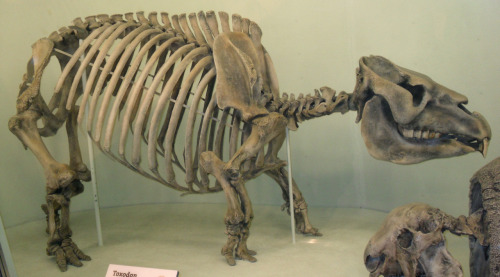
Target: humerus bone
(143, 77)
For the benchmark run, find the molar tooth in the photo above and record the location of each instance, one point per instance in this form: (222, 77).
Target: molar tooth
(438, 135)
(417, 134)
(408, 133)
(425, 134)
(432, 134)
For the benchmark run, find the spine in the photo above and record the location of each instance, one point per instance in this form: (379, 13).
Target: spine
(325, 101)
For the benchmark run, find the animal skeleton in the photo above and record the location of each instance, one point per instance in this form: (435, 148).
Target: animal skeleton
(144, 80)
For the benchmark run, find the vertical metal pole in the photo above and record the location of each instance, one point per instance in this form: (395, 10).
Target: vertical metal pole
(90, 147)
(97, 211)
(290, 185)
(5, 253)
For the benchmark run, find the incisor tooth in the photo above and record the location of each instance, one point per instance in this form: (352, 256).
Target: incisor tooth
(483, 148)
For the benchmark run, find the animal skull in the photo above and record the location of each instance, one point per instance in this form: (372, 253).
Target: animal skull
(411, 242)
(408, 118)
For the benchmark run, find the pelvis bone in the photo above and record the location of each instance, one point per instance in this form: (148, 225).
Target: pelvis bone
(410, 242)
(408, 118)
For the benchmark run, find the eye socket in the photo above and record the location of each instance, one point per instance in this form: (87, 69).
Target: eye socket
(417, 91)
(405, 238)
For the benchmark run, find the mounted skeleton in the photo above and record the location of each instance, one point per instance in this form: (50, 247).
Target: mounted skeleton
(153, 84)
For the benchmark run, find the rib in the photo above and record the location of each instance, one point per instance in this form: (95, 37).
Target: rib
(235, 130)
(111, 87)
(83, 65)
(95, 70)
(162, 101)
(97, 63)
(125, 86)
(148, 98)
(175, 118)
(117, 53)
(202, 143)
(219, 136)
(188, 142)
(76, 56)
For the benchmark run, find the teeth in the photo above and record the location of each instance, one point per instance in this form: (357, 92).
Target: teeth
(483, 148)
(408, 133)
(417, 134)
(425, 134)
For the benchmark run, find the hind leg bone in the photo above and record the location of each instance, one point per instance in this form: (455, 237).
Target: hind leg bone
(235, 216)
(302, 222)
(240, 214)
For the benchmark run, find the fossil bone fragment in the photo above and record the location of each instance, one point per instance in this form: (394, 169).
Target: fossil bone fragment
(410, 242)
(485, 200)
(146, 79)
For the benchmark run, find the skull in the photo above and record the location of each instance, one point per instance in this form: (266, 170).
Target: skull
(408, 118)
(411, 243)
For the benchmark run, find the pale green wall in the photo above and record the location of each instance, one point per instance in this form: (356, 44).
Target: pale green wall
(313, 43)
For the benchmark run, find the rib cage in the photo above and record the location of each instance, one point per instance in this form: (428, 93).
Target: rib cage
(152, 83)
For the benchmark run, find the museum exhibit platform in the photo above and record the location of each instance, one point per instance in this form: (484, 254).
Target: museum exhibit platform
(188, 237)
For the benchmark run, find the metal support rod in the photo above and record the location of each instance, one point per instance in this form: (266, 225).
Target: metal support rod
(97, 211)
(290, 185)
(93, 175)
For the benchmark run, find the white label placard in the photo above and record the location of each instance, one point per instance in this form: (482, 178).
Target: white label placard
(115, 270)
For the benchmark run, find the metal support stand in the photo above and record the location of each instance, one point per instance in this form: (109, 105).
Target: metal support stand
(290, 185)
(90, 147)
(97, 211)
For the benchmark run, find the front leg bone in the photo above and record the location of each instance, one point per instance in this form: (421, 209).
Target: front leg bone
(60, 243)
(234, 215)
